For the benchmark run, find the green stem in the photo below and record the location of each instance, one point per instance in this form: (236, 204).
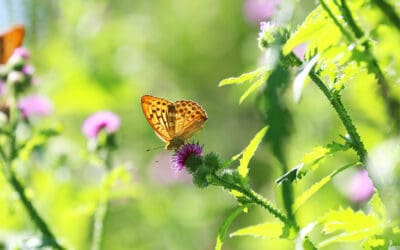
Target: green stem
(101, 212)
(392, 105)
(7, 160)
(336, 21)
(389, 11)
(335, 100)
(36, 218)
(252, 196)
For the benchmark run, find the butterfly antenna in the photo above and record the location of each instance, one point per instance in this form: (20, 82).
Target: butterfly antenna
(150, 149)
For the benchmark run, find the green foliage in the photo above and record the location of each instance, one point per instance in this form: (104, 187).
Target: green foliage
(269, 230)
(224, 227)
(249, 151)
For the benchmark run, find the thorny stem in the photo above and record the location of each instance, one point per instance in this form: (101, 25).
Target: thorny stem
(252, 196)
(392, 105)
(335, 100)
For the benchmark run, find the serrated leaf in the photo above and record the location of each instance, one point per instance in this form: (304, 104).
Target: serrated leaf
(311, 161)
(375, 243)
(249, 151)
(351, 226)
(250, 76)
(298, 82)
(224, 227)
(300, 200)
(318, 30)
(252, 88)
(310, 192)
(271, 230)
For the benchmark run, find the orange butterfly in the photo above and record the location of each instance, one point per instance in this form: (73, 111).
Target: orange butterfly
(173, 122)
(9, 41)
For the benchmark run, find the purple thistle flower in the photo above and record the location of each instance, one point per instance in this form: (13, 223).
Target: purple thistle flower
(106, 120)
(264, 28)
(34, 105)
(256, 11)
(2, 86)
(360, 188)
(182, 154)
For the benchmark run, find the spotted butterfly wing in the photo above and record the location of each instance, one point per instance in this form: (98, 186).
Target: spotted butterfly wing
(9, 41)
(189, 118)
(173, 122)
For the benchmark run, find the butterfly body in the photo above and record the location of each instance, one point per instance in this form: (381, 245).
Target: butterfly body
(173, 122)
(9, 41)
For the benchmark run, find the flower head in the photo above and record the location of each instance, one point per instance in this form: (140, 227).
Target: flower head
(22, 53)
(34, 105)
(103, 120)
(360, 188)
(182, 154)
(256, 11)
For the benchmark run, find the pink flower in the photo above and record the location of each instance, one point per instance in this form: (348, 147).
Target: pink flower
(98, 121)
(22, 53)
(34, 105)
(256, 11)
(360, 188)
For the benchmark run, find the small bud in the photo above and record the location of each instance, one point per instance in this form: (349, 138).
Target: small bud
(271, 34)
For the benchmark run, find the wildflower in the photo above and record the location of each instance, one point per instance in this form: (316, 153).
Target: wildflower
(34, 105)
(360, 188)
(21, 52)
(256, 11)
(103, 120)
(28, 70)
(179, 159)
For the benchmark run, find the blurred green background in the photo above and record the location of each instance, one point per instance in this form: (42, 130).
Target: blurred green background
(104, 55)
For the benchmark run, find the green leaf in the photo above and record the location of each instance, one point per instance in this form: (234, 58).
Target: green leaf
(298, 82)
(300, 200)
(224, 227)
(271, 230)
(375, 243)
(350, 226)
(318, 30)
(249, 151)
(253, 87)
(310, 192)
(311, 161)
(250, 76)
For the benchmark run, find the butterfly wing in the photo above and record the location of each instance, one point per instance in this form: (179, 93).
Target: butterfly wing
(156, 112)
(189, 118)
(9, 41)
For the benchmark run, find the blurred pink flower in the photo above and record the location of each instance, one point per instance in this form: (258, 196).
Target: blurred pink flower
(360, 188)
(256, 11)
(22, 53)
(2, 86)
(101, 120)
(28, 70)
(35, 105)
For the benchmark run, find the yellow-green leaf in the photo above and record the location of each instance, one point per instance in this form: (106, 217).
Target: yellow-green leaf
(224, 227)
(249, 151)
(311, 191)
(250, 76)
(271, 230)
